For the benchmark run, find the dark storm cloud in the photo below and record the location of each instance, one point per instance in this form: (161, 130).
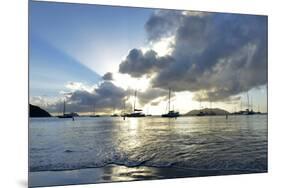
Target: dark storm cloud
(103, 98)
(162, 24)
(107, 76)
(138, 63)
(219, 54)
(152, 95)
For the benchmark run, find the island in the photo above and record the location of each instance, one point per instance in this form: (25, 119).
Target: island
(35, 111)
(207, 112)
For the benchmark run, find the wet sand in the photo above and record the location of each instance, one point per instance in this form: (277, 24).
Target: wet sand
(115, 173)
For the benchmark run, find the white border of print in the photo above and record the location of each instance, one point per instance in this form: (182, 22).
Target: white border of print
(14, 92)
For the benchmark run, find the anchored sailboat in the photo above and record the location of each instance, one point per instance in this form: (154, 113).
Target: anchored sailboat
(136, 112)
(171, 113)
(249, 111)
(113, 113)
(94, 113)
(64, 115)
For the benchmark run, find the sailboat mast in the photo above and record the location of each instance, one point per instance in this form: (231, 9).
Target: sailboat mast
(252, 106)
(63, 106)
(169, 103)
(135, 100)
(124, 106)
(248, 101)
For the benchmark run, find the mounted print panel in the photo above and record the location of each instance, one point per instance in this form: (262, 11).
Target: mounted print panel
(124, 94)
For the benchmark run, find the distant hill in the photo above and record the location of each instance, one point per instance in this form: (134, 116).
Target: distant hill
(207, 111)
(35, 111)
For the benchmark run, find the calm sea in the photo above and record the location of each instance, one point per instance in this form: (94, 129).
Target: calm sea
(196, 143)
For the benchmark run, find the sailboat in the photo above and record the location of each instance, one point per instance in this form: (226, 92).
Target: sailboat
(113, 113)
(94, 114)
(136, 112)
(201, 112)
(171, 113)
(248, 110)
(64, 115)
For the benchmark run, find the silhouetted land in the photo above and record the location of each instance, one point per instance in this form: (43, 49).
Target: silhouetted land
(35, 111)
(207, 112)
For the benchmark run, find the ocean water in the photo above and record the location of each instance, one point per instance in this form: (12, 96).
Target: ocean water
(238, 143)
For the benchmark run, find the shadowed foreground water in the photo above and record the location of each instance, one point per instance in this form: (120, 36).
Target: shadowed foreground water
(106, 149)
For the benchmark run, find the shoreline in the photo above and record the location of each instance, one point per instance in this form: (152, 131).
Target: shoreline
(119, 173)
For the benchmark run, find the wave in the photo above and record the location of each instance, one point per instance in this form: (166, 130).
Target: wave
(148, 163)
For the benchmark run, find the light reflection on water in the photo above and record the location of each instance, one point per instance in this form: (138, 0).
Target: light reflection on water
(205, 143)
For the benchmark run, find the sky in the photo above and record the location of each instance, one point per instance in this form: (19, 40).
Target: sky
(96, 57)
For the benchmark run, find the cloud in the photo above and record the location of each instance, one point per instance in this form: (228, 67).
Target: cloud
(103, 98)
(73, 86)
(108, 76)
(152, 96)
(43, 101)
(138, 63)
(213, 96)
(219, 54)
(162, 24)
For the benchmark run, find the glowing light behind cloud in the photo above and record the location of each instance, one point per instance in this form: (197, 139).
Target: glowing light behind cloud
(162, 47)
(85, 34)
